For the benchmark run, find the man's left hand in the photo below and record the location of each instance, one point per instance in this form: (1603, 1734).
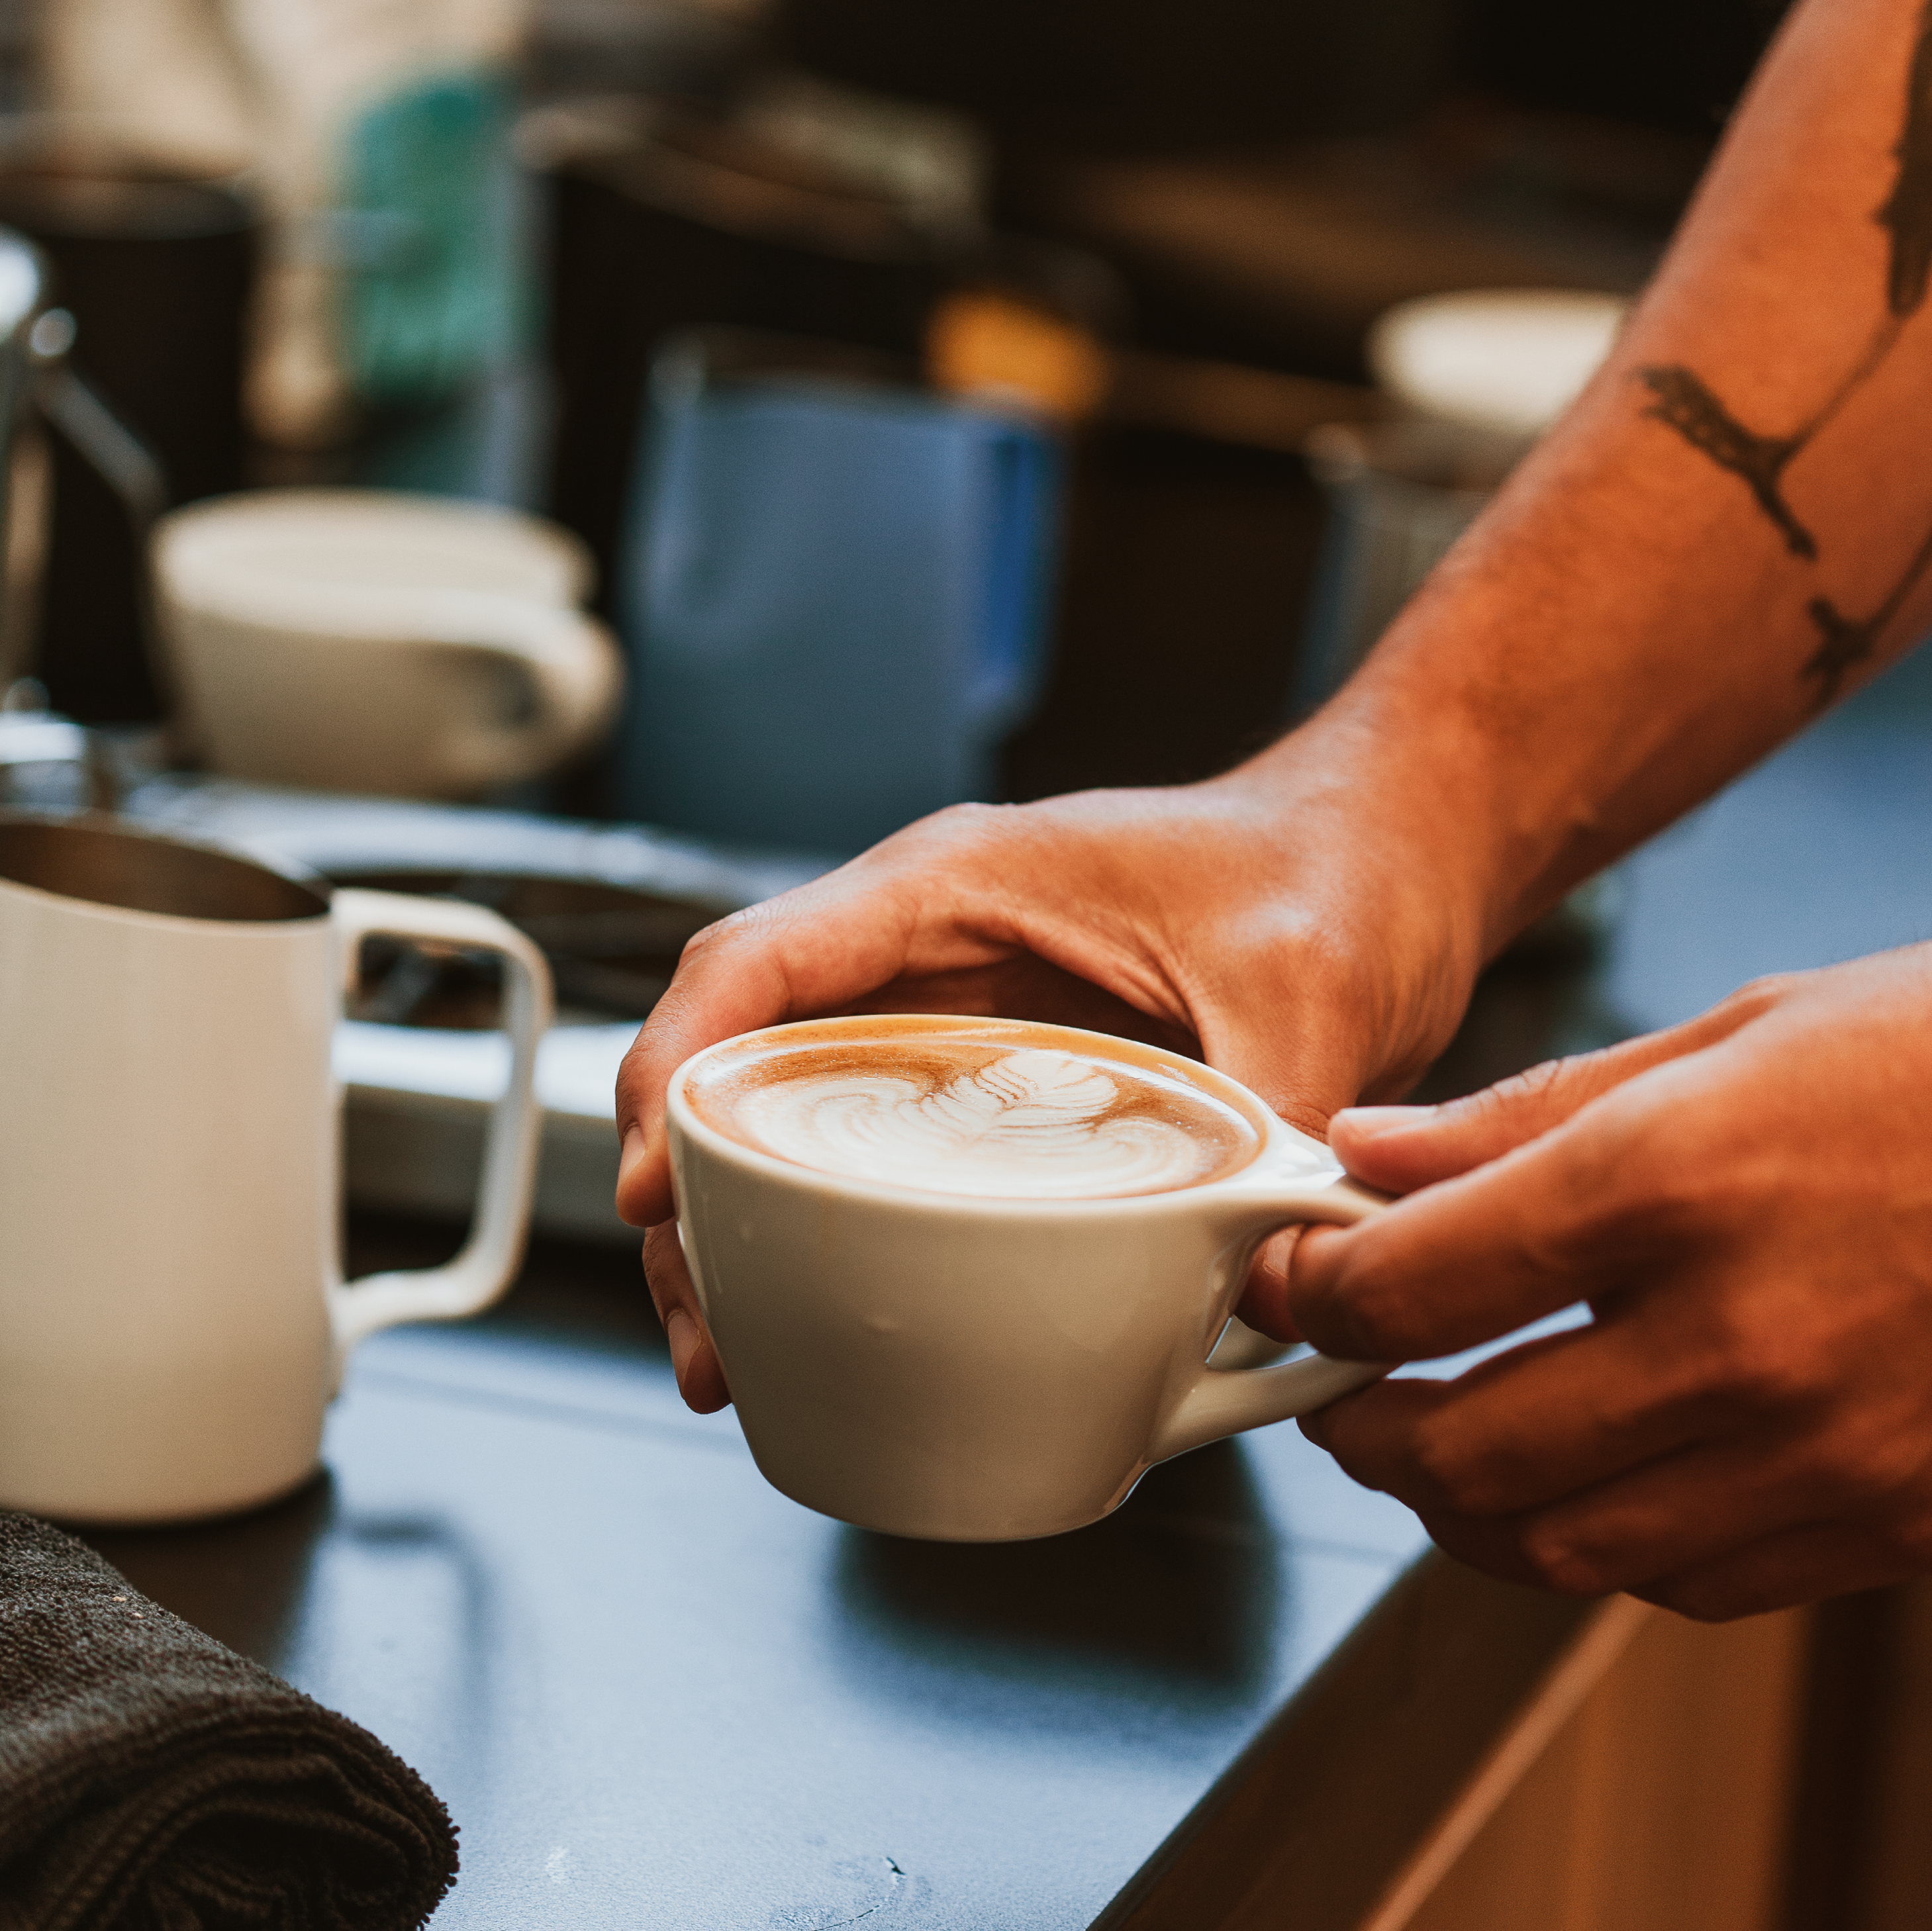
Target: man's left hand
(1745, 1204)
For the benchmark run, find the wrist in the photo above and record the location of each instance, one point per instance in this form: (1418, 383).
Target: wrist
(1403, 804)
(1383, 904)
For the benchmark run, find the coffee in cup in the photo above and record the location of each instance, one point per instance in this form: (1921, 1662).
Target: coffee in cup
(964, 1274)
(1011, 1117)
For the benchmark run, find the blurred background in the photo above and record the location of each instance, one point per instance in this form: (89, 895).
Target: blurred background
(609, 460)
(1088, 275)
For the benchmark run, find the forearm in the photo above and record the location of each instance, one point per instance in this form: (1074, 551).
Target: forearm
(1728, 530)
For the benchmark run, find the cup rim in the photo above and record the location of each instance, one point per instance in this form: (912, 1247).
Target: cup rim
(205, 554)
(1277, 1136)
(378, 614)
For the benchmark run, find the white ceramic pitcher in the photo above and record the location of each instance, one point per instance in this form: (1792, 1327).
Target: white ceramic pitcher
(173, 1318)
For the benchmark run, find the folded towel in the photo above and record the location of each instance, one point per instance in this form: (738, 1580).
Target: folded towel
(152, 1780)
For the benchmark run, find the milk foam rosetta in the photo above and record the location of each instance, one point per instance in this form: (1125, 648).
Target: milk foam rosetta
(977, 1117)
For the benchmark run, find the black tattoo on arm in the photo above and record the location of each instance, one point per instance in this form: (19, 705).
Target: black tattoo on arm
(1684, 402)
(1688, 407)
(1908, 209)
(1847, 641)
(1876, 351)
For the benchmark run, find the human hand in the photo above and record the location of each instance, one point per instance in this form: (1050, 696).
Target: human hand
(1241, 921)
(1745, 1202)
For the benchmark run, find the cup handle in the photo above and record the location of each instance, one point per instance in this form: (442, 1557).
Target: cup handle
(491, 1256)
(576, 672)
(1225, 1402)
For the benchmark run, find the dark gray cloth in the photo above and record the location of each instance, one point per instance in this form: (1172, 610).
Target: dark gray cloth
(152, 1780)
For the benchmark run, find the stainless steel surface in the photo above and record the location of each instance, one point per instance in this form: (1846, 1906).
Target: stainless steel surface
(612, 949)
(331, 834)
(37, 737)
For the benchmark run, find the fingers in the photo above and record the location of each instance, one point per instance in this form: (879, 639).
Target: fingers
(700, 1375)
(1620, 1188)
(1473, 1257)
(1804, 1564)
(1689, 1510)
(1697, 1500)
(1624, 1440)
(1546, 1420)
(1686, 1510)
(795, 954)
(1399, 1149)
(1264, 1302)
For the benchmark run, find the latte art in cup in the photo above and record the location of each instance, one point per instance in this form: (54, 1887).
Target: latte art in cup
(991, 1116)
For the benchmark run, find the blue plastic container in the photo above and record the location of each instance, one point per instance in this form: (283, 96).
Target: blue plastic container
(833, 595)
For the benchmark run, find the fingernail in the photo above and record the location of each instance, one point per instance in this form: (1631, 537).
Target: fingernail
(633, 1152)
(681, 1331)
(1372, 1122)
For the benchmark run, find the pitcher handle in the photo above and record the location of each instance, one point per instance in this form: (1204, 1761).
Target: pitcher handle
(494, 1250)
(1223, 1402)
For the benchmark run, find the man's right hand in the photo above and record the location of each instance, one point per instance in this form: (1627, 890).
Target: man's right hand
(1245, 920)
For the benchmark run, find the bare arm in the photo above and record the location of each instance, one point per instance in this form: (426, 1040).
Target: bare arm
(1728, 530)
(1733, 526)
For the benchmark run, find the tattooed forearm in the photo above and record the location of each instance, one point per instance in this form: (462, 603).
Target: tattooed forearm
(1684, 402)
(1846, 642)
(1908, 209)
(1877, 350)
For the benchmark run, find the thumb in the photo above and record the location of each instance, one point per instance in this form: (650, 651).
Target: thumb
(1398, 1149)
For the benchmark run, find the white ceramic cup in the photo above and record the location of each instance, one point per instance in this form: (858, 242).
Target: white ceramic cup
(380, 641)
(173, 1317)
(974, 1369)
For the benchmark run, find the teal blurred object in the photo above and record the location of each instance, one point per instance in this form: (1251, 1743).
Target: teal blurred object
(433, 295)
(833, 595)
